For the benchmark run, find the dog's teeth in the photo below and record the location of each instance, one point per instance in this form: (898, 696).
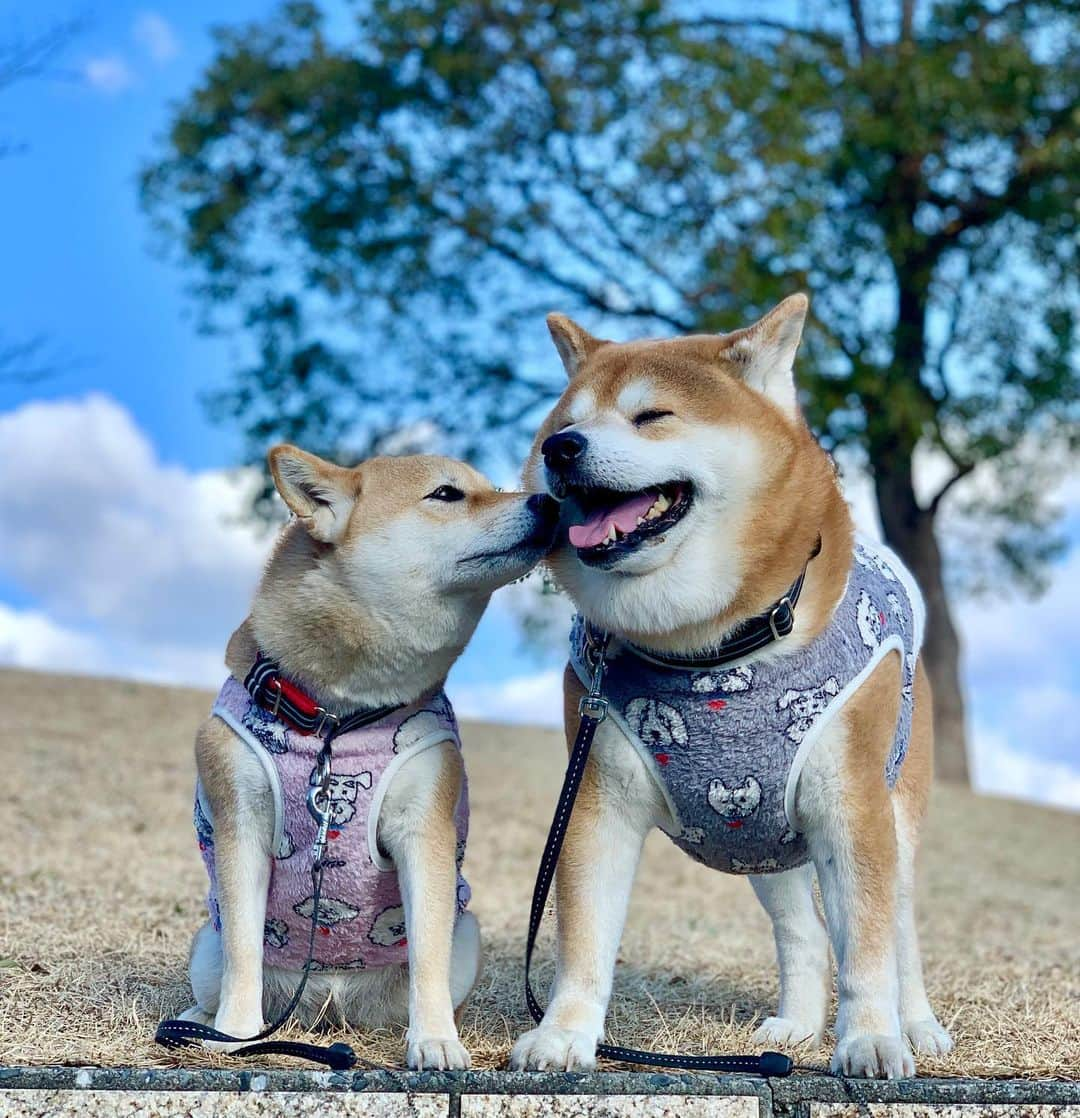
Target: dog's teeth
(662, 503)
(612, 535)
(653, 513)
(640, 521)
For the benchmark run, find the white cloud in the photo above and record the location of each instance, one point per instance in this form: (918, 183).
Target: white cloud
(155, 35)
(1003, 770)
(533, 700)
(105, 536)
(108, 73)
(30, 639)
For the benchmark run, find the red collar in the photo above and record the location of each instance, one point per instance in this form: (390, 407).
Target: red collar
(298, 710)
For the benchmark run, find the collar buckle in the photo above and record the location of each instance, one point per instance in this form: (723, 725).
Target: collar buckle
(592, 706)
(781, 618)
(325, 719)
(273, 685)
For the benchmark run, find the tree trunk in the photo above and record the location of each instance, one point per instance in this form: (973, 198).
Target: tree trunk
(909, 529)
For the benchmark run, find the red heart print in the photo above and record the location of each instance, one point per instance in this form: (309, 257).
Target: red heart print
(663, 758)
(717, 704)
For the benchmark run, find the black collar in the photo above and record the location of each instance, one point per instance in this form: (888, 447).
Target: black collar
(296, 708)
(754, 633)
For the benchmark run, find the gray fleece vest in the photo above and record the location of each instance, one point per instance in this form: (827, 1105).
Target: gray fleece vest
(727, 746)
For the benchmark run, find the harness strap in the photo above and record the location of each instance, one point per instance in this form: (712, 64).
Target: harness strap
(593, 710)
(754, 634)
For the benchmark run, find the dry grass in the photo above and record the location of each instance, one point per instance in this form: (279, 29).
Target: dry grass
(102, 888)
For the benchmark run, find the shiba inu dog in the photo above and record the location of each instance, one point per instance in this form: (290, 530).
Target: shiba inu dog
(696, 505)
(370, 595)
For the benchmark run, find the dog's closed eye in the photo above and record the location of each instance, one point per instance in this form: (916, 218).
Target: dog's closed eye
(650, 416)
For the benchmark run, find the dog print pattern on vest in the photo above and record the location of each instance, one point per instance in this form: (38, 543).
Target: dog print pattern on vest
(418, 726)
(656, 724)
(204, 832)
(805, 707)
(735, 805)
(727, 744)
(341, 794)
(359, 886)
(725, 682)
(275, 933)
(388, 928)
(271, 734)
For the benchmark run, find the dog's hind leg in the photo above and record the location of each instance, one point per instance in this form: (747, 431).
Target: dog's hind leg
(924, 1032)
(465, 956)
(204, 972)
(802, 951)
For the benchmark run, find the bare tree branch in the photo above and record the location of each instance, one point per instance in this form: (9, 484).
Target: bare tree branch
(859, 24)
(21, 59)
(811, 34)
(27, 362)
(962, 472)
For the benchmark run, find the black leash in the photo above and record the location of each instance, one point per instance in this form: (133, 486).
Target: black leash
(593, 711)
(176, 1033)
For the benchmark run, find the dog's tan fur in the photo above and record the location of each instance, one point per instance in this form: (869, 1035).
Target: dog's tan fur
(367, 599)
(764, 492)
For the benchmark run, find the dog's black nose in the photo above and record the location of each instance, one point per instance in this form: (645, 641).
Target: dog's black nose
(543, 507)
(563, 449)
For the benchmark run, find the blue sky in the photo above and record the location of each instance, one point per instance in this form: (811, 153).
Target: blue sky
(113, 460)
(71, 225)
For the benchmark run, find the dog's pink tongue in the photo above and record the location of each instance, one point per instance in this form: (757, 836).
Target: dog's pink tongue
(625, 517)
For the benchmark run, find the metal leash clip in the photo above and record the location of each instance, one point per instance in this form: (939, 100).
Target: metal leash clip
(594, 705)
(318, 803)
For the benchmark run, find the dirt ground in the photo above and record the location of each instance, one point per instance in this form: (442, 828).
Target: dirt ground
(101, 887)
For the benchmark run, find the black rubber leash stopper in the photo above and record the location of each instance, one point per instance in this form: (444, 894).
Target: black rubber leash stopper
(344, 1057)
(775, 1064)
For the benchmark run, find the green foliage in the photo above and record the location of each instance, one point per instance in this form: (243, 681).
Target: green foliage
(387, 212)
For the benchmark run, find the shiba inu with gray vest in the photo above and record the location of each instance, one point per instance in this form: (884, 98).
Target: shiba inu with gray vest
(700, 516)
(369, 597)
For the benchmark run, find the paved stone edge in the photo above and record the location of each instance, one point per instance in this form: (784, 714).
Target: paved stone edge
(781, 1095)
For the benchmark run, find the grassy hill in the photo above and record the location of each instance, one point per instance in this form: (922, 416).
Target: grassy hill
(101, 887)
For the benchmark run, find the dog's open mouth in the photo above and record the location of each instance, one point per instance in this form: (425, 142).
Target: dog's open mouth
(607, 523)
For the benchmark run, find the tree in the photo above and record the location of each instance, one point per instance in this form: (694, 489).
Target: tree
(387, 213)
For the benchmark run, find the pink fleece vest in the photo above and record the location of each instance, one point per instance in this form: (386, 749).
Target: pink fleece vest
(361, 917)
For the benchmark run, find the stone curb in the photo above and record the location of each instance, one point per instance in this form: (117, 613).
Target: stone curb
(508, 1094)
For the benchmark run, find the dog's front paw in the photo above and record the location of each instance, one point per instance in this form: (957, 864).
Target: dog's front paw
(239, 1026)
(786, 1033)
(928, 1038)
(197, 1014)
(436, 1053)
(873, 1056)
(548, 1048)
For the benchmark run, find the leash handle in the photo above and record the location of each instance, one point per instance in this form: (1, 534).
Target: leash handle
(176, 1033)
(593, 710)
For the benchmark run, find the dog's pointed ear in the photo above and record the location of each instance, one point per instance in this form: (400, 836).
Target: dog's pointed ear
(764, 354)
(574, 342)
(321, 494)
